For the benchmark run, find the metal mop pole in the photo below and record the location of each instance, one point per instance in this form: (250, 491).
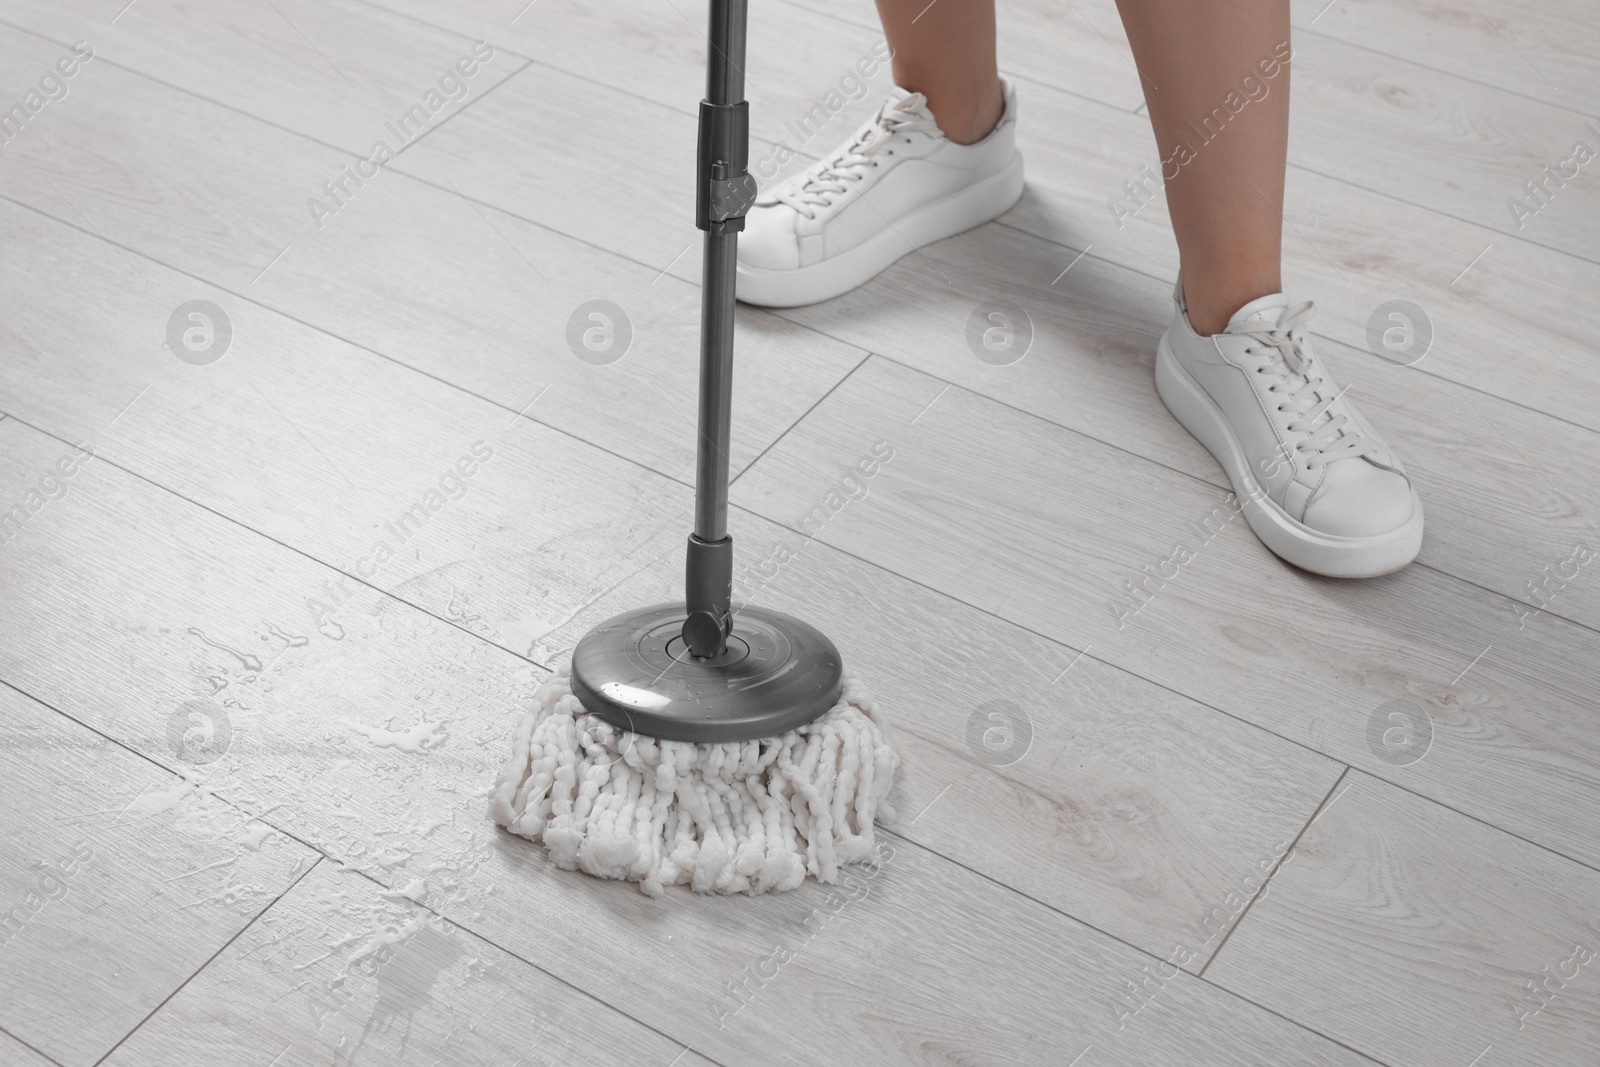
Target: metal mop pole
(689, 671)
(725, 192)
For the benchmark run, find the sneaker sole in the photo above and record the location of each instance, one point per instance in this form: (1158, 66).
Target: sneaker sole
(1292, 540)
(835, 275)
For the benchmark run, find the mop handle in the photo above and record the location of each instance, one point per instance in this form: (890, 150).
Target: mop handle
(724, 192)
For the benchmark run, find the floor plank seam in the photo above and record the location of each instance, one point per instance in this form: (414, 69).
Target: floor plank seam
(157, 764)
(237, 934)
(556, 977)
(291, 317)
(1327, 802)
(1294, 27)
(891, 832)
(630, 460)
(1410, 61)
(689, 111)
(1197, 700)
(290, 548)
(356, 578)
(909, 840)
(321, 854)
(252, 116)
(629, 259)
(425, 134)
(773, 443)
(1137, 458)
(888, 570)
(1165, 281)
(1370, 933)
(418, 20)
(30, 1048)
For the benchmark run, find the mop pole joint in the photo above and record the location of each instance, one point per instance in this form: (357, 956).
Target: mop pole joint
(726, 187)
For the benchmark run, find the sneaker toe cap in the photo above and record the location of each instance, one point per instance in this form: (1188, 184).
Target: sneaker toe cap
(768, 241)
(1359, 499)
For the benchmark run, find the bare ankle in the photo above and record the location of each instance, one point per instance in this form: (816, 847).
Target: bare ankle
(968, 119)
(1211, 310)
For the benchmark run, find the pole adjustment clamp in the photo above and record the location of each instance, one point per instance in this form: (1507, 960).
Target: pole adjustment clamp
(726, 188)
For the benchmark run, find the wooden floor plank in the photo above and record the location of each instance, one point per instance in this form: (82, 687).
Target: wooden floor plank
(342, 971)
(1487, 469)
(1352, 249)
(1387, 123)
(796, 52)
(1164, 757)
(1547, 51)
(1126, 413)
(118, 879)
(366, 744)
(1423, 937)
(338, 71)
(1019, 517)
(1432, 139)
(16, 1054)
(1123, 778)
(457, 290)
(1349, 249)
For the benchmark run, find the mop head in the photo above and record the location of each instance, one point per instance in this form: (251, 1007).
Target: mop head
(737, 817)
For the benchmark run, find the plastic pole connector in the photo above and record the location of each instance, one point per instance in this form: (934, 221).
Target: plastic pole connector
(709, 588)
(726, 188)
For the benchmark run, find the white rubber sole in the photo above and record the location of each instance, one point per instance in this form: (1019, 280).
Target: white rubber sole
(1320, 553)
(835, 275)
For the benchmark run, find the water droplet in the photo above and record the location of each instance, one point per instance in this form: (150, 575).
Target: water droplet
(251, 663)
(289, 639)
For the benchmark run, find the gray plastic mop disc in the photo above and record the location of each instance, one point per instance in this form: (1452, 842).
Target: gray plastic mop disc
(777, 673)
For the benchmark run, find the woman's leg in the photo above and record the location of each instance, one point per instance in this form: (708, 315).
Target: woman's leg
(1199, 62)
(945, 51)
(1239, 371)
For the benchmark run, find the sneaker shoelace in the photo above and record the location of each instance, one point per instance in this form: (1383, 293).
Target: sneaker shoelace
(1305, 389)
(831, 178)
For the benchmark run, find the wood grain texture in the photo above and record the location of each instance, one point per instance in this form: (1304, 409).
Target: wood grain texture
(1398, 124)
(341, 971)
(1021, 518)
(1432, 139)
(1546, 51)
(365, 746)
(1107, 321)
(334, 71)
(1423, 937)
(14, 1053)
(242, 415)
(118, 880)
(1348, 248)
(454, 289)
(1164, 760)
(550, 537)
(1509, 491)
(1512, 496)
(657, 50)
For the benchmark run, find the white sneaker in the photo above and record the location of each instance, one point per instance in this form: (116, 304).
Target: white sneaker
(896, 185)
(1317, 483)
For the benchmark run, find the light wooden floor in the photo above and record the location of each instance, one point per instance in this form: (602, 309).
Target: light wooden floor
(320, 885)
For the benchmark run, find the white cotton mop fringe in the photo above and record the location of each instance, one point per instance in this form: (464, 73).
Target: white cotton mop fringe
(736, 817)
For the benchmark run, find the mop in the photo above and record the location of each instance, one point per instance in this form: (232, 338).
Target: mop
(691, 743)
